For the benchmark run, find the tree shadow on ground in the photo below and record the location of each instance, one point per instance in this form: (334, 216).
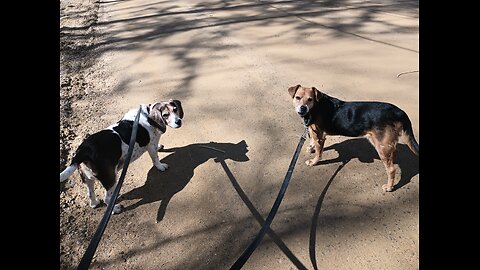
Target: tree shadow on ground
(150, 27)
(366, 153)
(163, 20)
(162, 186)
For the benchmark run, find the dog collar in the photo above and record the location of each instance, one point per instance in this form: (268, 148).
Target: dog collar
(307, 120)
(152, 122)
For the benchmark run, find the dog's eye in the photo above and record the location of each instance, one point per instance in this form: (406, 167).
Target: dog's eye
(175, 109)
(297, 98)
(309, 99)
(166, 115)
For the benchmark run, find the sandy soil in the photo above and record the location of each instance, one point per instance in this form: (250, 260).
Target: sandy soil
(230, 63)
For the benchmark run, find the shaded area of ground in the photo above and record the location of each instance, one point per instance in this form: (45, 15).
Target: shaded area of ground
(231, 62)
(75, 56)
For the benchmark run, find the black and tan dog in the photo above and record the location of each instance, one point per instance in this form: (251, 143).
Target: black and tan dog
(381, 123)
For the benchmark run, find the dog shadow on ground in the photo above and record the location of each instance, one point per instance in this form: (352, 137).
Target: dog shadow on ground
(162, 186)
(366, 153)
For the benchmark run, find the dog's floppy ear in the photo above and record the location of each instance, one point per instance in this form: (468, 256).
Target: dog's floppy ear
(156, 113)
(177, 104)
(318, 94)
(293, 89)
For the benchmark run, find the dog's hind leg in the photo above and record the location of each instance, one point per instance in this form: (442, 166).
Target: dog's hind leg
(108, 177)
(388, 156)
(117, 208)
(386, 143)
(88, 179)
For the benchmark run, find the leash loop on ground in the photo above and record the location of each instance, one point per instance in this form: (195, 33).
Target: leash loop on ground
(92, 247)
(254, 244)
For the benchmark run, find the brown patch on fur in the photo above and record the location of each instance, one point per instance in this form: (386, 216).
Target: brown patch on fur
(385, 142)
(303, 96)
(293, 89)
(176, 105)
(317, 139)
(156, 114)
(309, 96)
(160, 111)
(318, 94)
(333, 118)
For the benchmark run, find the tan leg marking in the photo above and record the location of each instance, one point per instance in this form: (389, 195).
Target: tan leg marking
(385, 143)
(318, 137)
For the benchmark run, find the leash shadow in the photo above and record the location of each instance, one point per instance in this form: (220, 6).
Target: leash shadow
(365, 152)
(162, 186)
(313, 227)
(276, 239)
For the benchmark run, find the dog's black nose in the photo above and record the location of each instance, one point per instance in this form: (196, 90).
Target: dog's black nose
(178, 122)
(303, 109)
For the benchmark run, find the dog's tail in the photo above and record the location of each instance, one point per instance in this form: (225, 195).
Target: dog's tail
(408, 131)
(83, 153)
(68, 171)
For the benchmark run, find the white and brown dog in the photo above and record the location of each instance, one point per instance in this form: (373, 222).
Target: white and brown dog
(102, 154)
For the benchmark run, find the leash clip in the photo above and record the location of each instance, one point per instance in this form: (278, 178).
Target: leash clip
(305, 133)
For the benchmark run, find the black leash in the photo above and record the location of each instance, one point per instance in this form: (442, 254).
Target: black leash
(246, 254)
(92, 247)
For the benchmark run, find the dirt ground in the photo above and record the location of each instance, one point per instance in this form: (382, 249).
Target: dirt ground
(230, 63)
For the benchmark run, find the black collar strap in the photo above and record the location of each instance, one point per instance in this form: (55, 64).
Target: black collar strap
(152, 122)
(307, 119)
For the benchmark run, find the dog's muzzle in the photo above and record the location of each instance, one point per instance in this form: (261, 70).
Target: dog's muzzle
(178, 122)
(302, 110)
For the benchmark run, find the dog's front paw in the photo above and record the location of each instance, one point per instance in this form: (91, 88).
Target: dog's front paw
(117, 208)
(162, 166)
(310, 149)
(387, 188)
(312, 162)
(94, 203)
